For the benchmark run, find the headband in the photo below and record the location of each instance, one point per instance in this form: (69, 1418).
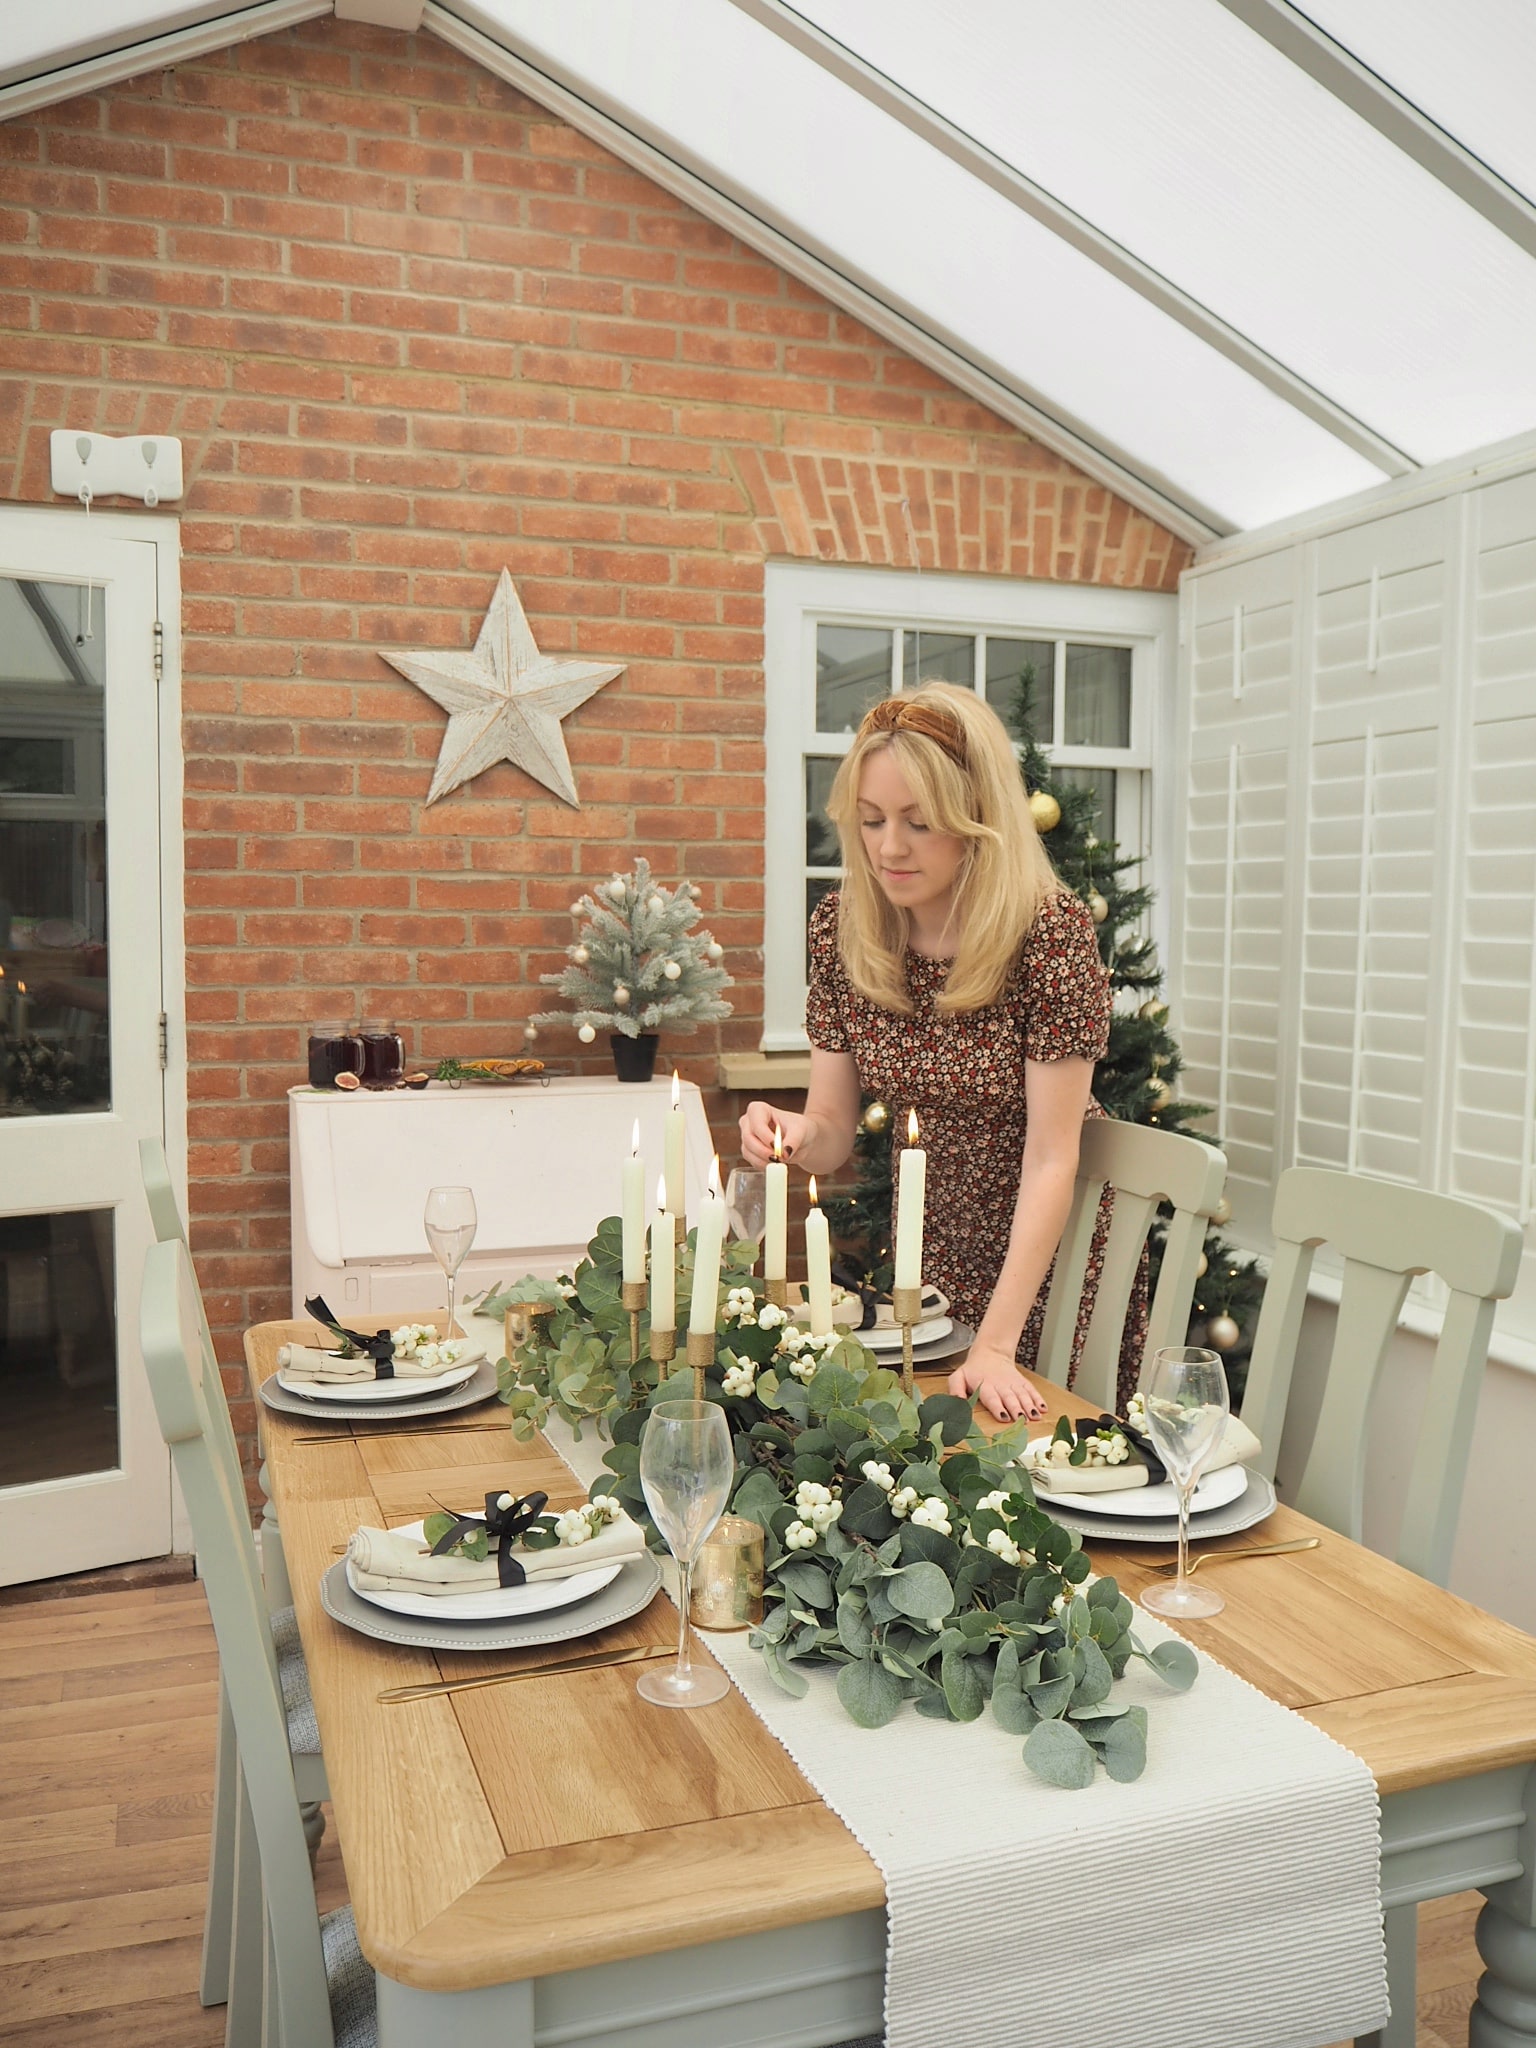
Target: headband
(931, 721)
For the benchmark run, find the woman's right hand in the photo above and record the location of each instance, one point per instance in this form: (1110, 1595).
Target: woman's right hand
(759, 1122)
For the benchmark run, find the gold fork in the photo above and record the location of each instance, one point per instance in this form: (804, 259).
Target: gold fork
(1231, 1556)
(592, 1661)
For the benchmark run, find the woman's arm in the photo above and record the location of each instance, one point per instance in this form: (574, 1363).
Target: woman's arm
(1056, 1094)
(820, 1139)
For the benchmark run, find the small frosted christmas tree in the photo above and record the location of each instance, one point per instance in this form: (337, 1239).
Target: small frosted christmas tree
(637, 963)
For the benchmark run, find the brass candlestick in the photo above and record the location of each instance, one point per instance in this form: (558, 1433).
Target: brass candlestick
(776, 1291)
(701, 1355)
(907, 1307)
(663, 1350)
(632, 1294)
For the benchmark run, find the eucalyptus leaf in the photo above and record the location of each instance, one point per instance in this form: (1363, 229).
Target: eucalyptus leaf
(807, 1582)
(870, 1694)
(855, 1631)
(1125, 1749)
(1176, 1664)
(1013, 1711)
(1051, 1697)
(1096, 1680)
(757, 1497)
(794, 1682)
(1057, 1753)
(950, 1412)
(922, 1591)
(962, 1687)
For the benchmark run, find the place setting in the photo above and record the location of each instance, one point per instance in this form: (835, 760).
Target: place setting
(391, 1375)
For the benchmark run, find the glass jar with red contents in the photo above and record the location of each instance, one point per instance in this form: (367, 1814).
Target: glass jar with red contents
(383, 1054)
(334, 1048)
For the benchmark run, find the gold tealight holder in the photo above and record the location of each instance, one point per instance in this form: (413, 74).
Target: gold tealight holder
(728, 1577)
(907, 1308)
(520, 1323)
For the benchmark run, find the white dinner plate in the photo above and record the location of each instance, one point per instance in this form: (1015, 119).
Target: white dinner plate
(887, 1336)
(1215, 1490)
(495, 1603)
(385, 1390)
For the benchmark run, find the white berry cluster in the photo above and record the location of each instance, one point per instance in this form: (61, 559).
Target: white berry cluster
(1109, 1447)
(742, 1309)
(932, 1513)
(803, 1352)
(1136, 1412)
(740, 1376)
(566, 1285)
(879, 1474)
(816, 1509)
(421, 1343)
(580, 1525)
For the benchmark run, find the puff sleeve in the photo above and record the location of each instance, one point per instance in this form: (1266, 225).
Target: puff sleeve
(1065, 987)
(825, 1024)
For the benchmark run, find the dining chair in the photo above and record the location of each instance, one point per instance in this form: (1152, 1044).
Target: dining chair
(223, 1950)
(1386, 1234)
(1146, 1167)
(314, 1989)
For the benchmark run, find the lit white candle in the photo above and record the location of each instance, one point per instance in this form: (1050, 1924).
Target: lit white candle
(674, 1159)
(707, 1245)
(632, 1212)
(19, 1010)
(911, 1186)
(663, 1264)
(776, 1212)
(818, 1267)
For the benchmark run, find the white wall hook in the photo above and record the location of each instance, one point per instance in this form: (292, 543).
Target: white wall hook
(91, 466)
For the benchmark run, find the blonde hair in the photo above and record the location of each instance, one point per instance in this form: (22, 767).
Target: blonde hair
(959, 762)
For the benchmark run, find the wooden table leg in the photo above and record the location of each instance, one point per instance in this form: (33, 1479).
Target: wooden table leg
(1504, 2014)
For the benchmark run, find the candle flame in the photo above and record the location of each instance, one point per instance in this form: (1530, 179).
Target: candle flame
(634, 1143)
(714, 1176)
(778, 1135)
(911, 1126)
(677, 1089)
(814, 1203)
(661, 1192)
(21, 988)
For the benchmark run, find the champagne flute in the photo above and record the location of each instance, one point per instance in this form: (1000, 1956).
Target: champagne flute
(746, 1202)
(449, 1220)
(1186, 1408)
(686, 1468)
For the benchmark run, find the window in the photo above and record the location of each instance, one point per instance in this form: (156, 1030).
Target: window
(838, 640)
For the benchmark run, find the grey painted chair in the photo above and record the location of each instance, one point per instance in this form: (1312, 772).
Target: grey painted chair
(1386, 1234)
(225, 1951)
(1145, 1167)
(314, 1989)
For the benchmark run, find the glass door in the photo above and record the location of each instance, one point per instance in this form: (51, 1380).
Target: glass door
(84, 1477)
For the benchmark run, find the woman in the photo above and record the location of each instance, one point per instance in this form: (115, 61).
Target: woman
(955, 974)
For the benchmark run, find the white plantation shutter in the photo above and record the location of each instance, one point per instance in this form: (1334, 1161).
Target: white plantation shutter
(1355, 974)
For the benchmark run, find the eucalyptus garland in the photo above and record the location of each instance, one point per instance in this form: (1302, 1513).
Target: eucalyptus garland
(902, 1545)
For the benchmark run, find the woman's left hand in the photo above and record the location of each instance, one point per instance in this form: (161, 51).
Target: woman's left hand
(995, 1380)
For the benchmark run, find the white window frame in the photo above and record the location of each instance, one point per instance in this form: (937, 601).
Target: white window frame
(799, 596)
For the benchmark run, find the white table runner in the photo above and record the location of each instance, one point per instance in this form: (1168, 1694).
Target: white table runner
(1229, 1898)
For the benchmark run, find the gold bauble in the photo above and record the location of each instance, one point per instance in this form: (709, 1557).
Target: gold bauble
(1221, 1333)
(1222, 1213)
(1154, 1011)
(1202, 1266)
(1160, 1097)
(1045, 811)
(1098, 909)
(875, 1118)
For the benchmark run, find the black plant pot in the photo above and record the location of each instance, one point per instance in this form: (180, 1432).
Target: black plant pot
(634, 1059)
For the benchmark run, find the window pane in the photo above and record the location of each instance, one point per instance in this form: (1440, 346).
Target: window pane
(54, 1042)
(58, 1346)
(1102, 782)
(821, 846)
(1013, 665)
(1098, 710)
(937, 658)
(814, 891)
(853, 671)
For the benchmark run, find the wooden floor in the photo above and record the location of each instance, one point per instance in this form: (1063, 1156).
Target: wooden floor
(107, 1705)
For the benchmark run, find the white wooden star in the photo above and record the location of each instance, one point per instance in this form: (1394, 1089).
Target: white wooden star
(504, 700)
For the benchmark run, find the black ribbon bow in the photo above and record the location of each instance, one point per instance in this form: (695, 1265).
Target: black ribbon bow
(852, 1281)
(1157, 1471)
(380, 1347)
(503, 1525)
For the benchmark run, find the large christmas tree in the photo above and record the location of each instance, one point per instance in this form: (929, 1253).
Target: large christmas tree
(1137, 1078)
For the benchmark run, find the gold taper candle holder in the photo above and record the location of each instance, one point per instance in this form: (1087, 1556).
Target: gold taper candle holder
(701, 1356)
(632, 1294)
(776, 1291)
(663, 1347)
(907, 1308)
(727, 1587)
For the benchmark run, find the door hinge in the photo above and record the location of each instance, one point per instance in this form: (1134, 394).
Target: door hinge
(165, 1041)
(159, 650)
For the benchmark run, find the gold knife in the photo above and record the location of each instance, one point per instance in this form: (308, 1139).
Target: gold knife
(592, 1661)
(337, 1436)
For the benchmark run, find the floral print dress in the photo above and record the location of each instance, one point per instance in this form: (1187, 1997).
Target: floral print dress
(964, 1075)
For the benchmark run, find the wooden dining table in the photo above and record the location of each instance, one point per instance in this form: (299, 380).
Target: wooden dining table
(555, 1861)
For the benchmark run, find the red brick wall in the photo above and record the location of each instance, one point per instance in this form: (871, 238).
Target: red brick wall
(410, 329)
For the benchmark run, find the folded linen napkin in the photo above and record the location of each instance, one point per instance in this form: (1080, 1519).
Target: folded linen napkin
(1238, 1444)
(300, 1362)
(388, 1561)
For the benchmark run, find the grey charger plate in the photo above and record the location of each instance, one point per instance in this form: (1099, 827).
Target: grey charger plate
(926, 1356)
(480, 1386)
(634, 1588)
(1255, 1502)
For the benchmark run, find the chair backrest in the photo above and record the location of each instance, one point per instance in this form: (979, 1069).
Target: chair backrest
(1146, 1167)
(170, 1331)
(1386, 1234)
(164, 1210)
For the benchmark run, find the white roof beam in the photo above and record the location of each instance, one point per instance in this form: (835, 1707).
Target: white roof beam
(658, 156)
(1011, 184)
(1286, 29)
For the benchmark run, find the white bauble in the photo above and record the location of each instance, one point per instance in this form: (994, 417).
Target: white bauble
(1221, 1333)
(714, 950)
(580, 955)
(586, 1034)
(655, 906)
(1202, 1266)
(1098, 909)
(620, 995)
(530, 1033)
(1222, 1213)
(672, 971)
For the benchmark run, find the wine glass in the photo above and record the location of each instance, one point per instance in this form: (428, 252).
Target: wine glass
(449, 1220)
(746, 1202)
(686, 1467)
(1186, 1407)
